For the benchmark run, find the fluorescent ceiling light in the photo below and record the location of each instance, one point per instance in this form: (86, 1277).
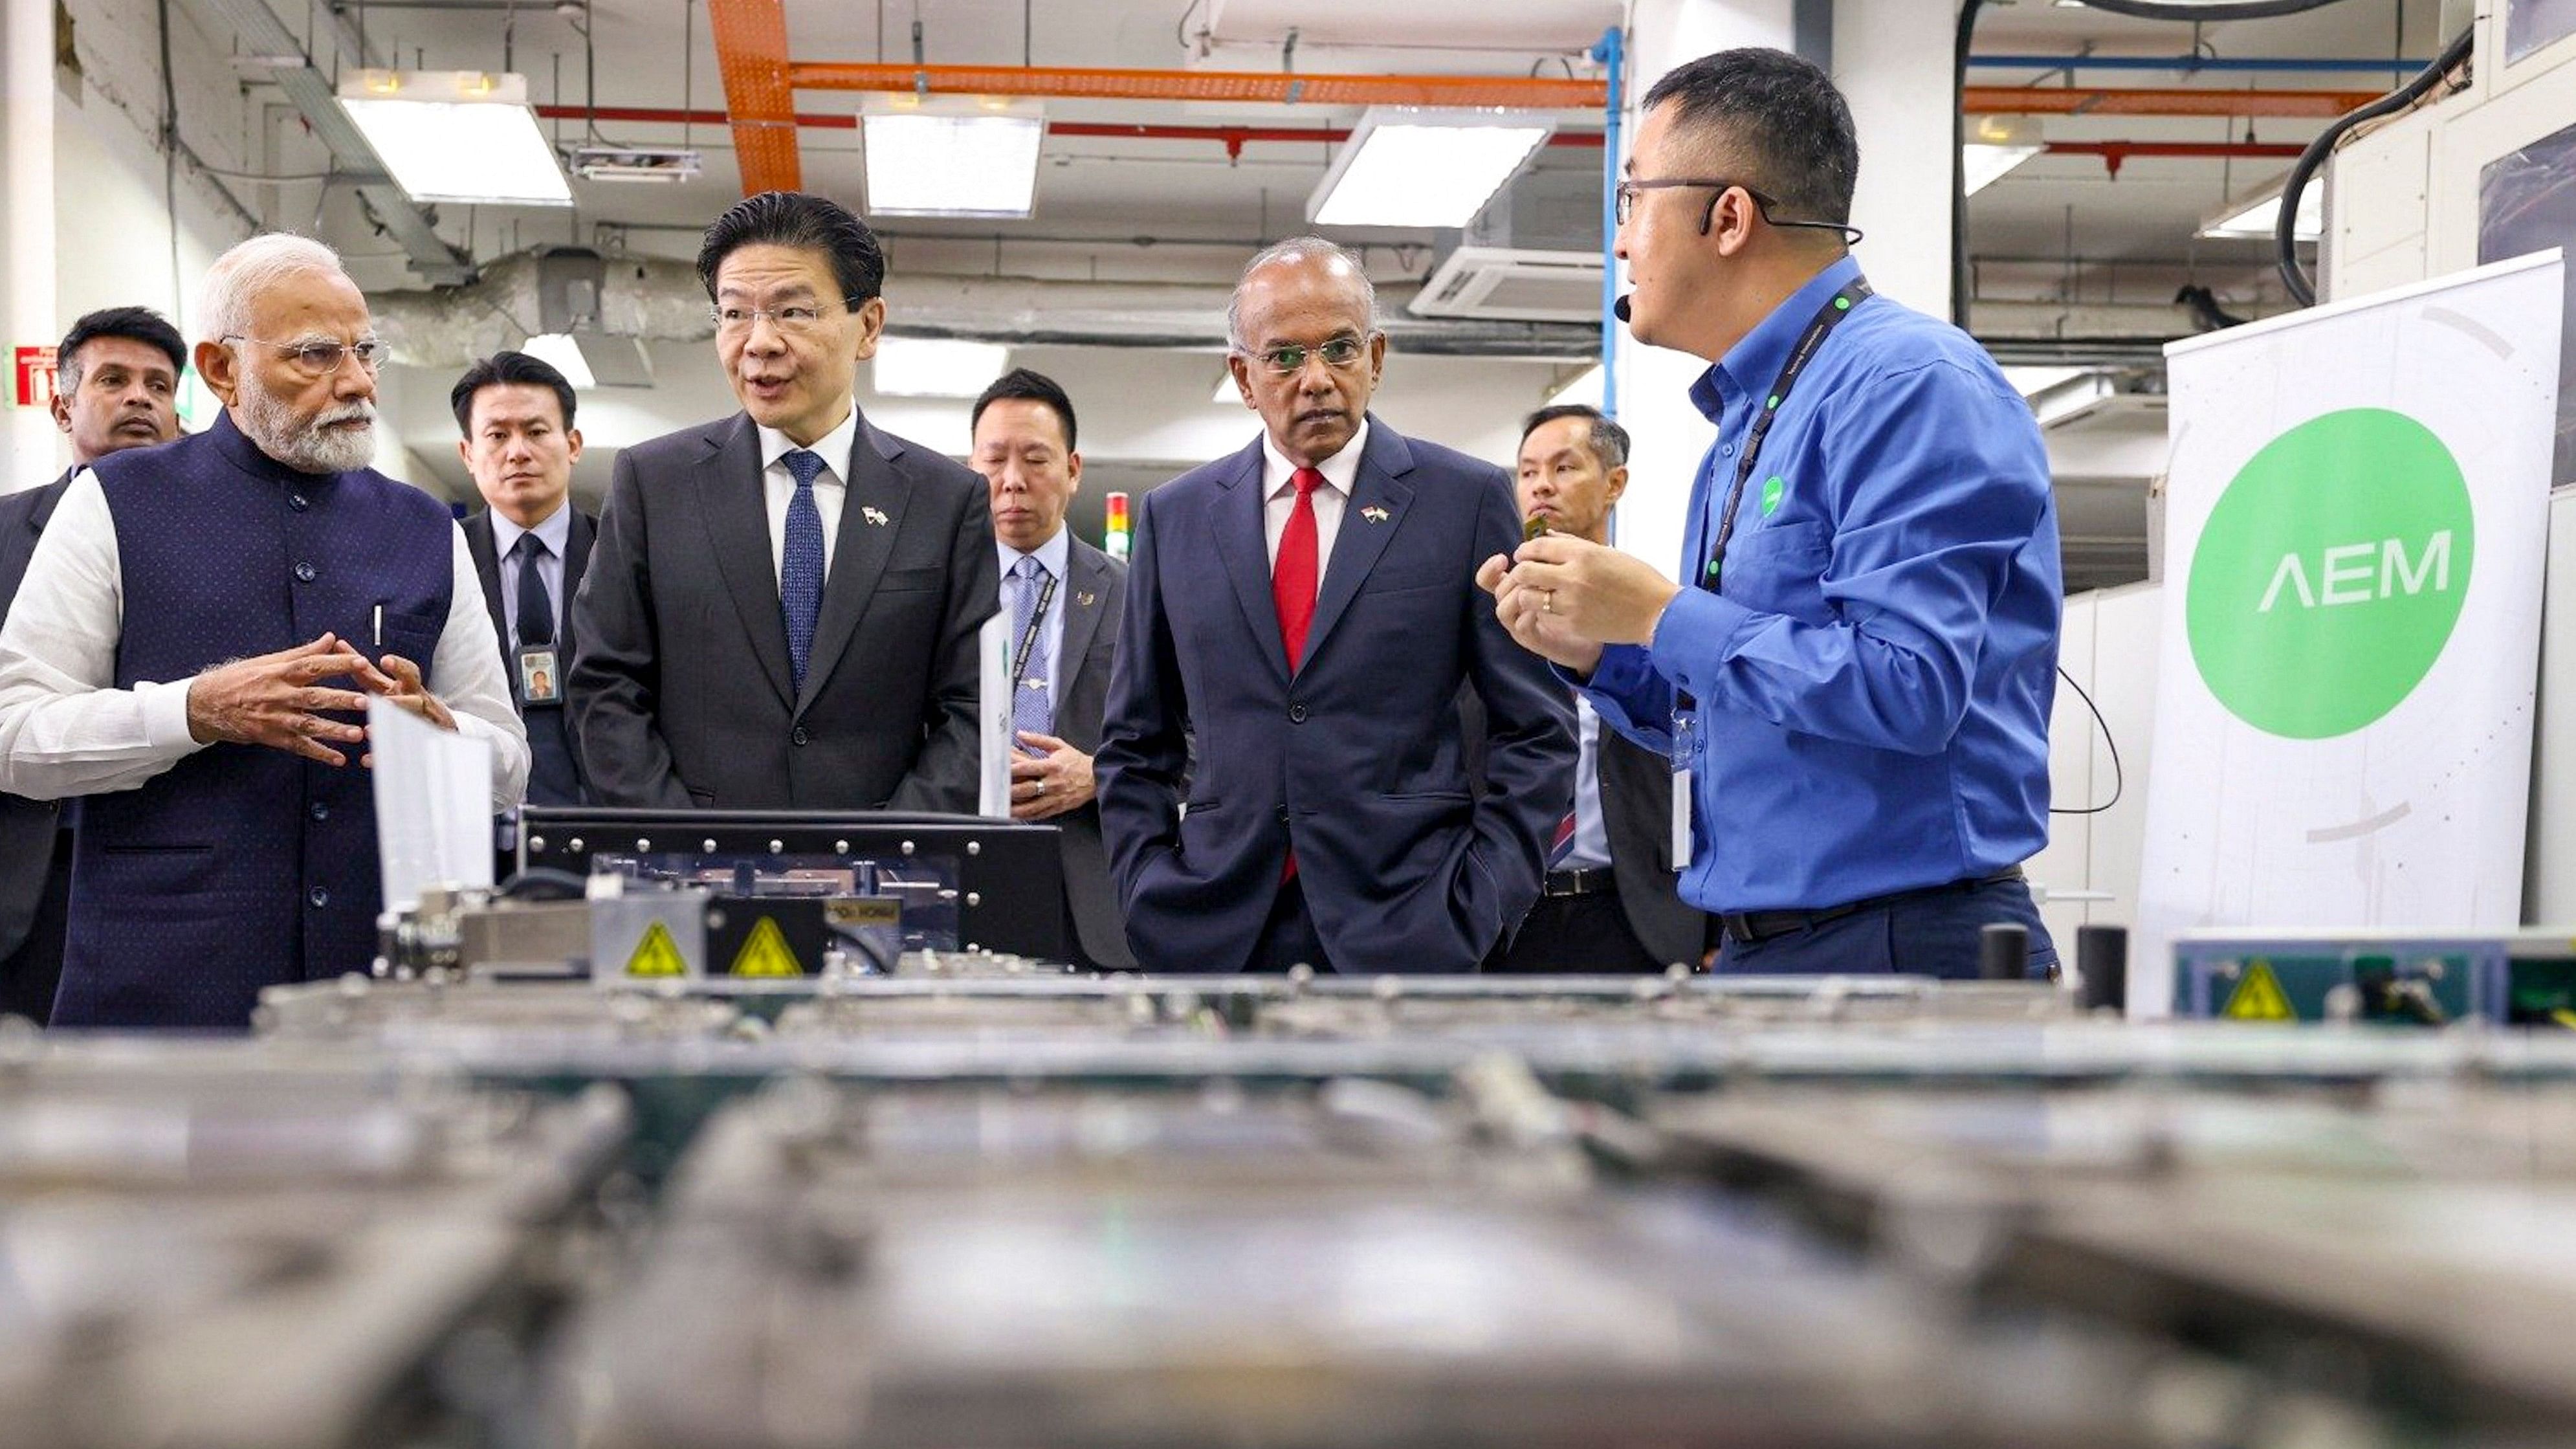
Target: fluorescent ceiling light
(952, 158)
(2260, 214)
(1585, 388)
(2031, 381)
(936, 366)
(1405, 166)
(456, 135)
(559, 351)
(1995, 145)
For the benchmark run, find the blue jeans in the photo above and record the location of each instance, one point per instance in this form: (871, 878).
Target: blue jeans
(1934, 934)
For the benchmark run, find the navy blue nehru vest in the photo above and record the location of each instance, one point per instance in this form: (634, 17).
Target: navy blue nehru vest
(242, 865)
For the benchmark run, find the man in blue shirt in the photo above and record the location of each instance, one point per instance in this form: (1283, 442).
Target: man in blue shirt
(1858, 666)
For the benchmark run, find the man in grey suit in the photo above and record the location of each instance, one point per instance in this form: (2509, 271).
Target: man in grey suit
(1063, 597)
(117, 387)
(782, 608)
(1610, 901)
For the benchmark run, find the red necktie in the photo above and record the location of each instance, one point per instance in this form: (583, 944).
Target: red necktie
(1292, 585)
(1293, 577)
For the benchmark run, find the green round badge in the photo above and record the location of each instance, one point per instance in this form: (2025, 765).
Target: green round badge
(2330, 574)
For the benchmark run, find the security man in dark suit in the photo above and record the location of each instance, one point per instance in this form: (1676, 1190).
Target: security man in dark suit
(1063, 597)
(530, 544)
(784, 608)
(116, 387)
(1610, 902)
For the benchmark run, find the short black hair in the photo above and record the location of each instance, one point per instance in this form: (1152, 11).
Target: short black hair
(1021, 384)
(798, 219)
(1608, 440)
(503, 369)
(1780, 120)
(135, 324)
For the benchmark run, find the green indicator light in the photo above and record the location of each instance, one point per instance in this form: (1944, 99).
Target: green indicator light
(1842, 304)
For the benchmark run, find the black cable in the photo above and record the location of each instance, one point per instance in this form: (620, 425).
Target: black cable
(2285, 229)
(2119, 780)
(1967, 32)
(2194, 12)
(170, 155)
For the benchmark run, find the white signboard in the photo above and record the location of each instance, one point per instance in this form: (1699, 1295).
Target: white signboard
(2356, 522)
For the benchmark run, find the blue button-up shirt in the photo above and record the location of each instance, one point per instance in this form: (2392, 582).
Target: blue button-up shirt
(1872, 687)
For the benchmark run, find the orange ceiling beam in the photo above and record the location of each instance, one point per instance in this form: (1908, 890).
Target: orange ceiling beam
(751, 51)
(2145, 101)
(1512, 92)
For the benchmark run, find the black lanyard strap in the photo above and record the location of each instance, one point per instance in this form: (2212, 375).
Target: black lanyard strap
(1029, 636)
(1827, 317)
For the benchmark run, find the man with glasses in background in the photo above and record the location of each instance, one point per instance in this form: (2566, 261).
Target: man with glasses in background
(193, 650)
(1306, 612)
(722, 663)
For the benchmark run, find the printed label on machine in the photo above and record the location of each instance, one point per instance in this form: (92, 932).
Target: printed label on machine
(657, 954)
(2258, 997)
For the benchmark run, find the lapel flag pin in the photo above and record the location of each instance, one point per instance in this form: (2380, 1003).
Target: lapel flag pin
(1373, 514)
(1086, 600)
(874, 515)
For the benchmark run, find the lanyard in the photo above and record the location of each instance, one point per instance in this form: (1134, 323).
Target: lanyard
(1029, 636)
(1833, 312)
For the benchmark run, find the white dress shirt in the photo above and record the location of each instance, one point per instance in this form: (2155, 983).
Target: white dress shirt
(1591, 827)
(1056, 557)
(1280, 493)
(831, 486)
(65, 729)
(555, 532)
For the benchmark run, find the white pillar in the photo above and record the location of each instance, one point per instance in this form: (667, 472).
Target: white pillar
(1667, 434)
(27, 195)
(1892, 62)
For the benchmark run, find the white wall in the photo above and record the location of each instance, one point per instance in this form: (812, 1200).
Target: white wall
(2109, 646)
(1892, 63)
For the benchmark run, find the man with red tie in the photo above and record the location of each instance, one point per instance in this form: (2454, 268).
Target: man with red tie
(1305, 613)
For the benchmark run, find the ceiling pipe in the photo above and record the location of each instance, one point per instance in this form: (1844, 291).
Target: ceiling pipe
(2192, 64)
(1528, 93)
(2156, 101)
(2114, 154)
(1233, 138)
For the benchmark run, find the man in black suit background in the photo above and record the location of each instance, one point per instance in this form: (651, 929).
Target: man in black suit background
(782, 608)
(1610, 901)
(1063, 597)
(117, 387)
(530, 544)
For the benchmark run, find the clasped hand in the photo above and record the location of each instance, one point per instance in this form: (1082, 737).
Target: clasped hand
(281, 701)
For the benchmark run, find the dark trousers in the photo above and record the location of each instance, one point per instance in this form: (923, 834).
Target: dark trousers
(1931, 934)
(1288, 937)
(1567, 935)
(30, 975)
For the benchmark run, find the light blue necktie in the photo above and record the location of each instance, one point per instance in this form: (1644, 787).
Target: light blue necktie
(1032, 703)
(800, 564)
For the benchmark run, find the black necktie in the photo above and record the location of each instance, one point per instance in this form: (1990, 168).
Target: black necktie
(536, 608)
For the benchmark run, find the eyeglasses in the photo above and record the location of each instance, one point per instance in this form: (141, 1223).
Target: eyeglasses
(1626, 205)
(322, 357)
(1289, 360)
(799, 319)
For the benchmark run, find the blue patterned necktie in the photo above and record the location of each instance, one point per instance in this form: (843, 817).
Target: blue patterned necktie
(800, 562)
(1032, 703)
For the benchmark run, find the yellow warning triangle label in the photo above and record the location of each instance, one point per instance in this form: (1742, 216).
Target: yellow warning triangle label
(2259, 997)
(766, 953)
(657, 954)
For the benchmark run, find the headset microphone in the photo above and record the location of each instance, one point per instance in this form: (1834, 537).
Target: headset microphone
(1620, 309)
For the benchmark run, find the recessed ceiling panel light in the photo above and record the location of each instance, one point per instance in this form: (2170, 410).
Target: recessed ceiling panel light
(936, 366)
(1425, 168)
(456, 135)
(952, 158)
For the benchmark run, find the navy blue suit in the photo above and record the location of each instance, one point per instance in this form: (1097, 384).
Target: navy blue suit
(1356, 760)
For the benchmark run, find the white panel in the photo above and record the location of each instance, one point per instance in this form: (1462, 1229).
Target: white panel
(2549, 872)
(1892, 61)
(2127, 635)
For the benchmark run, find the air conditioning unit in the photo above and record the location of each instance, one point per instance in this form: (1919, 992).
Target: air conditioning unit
(1508, 285)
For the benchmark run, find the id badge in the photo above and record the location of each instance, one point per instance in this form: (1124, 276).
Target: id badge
(540, 678)
(1685, 755)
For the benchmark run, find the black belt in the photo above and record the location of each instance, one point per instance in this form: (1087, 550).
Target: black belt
(1746, 928)
(1586, 881)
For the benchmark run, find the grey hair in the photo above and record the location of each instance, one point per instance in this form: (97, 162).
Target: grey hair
(241, 274)
(1300, 248)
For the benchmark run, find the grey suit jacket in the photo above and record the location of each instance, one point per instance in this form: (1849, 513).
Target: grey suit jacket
(680, 693)
(1093, 597)
(26, 826)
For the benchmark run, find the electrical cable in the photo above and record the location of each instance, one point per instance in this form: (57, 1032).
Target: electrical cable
(2119, 780)
(2195, 12)
(2285, 230)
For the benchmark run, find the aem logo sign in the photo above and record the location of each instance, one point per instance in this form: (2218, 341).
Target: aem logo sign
(2330, 574)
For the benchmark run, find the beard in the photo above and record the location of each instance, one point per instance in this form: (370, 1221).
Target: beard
(308, 445)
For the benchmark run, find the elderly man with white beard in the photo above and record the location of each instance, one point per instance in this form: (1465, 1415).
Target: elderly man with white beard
(192, 653)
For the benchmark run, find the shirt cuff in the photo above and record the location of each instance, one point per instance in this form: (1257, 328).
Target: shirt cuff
(1620, 669)
(165, 716)
(1694, 636)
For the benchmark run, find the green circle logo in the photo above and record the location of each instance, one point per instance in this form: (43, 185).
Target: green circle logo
(2330, 574)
